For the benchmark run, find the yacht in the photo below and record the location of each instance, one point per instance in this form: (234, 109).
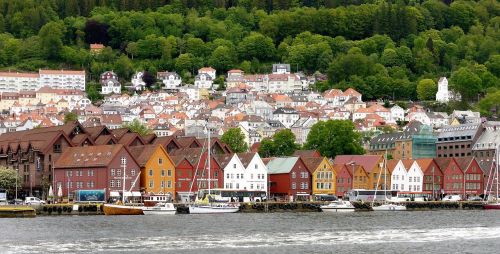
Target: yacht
(338, 206)
(160, 209)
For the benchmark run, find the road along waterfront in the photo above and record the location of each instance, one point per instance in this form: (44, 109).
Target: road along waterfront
(443, 231)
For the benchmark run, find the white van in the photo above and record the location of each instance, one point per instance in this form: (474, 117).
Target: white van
(452, 198)
(33, 201)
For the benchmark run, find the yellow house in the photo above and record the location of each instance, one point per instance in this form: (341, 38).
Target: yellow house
(373, 166)
(323, 175)
(157, 170)
(361, 177)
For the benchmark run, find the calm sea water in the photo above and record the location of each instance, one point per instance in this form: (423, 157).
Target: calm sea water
(360, 232)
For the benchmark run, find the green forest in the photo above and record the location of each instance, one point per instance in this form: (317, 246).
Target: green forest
(384, 49)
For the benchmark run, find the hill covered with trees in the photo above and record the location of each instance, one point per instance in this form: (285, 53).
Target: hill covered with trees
(381, 48)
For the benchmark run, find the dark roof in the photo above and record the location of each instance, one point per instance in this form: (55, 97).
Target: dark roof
(312, 163)
(118, 133)
(307, 153)
(443, 162)
(223, 159)
(88, 156)
(464, 162)
(246, 158)
(143, 153)
(369, 162)
(104, 140)
(285, 111)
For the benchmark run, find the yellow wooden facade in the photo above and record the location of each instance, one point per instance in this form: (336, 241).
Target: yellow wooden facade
(158, 175)
(324, 179)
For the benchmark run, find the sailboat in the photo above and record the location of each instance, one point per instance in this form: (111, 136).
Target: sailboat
(120, 208)
(494, 206)
(386, 205)
(209, 203)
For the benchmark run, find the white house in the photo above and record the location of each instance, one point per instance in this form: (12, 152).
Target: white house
(415, 176)
(137, 82)
(203, 80)
(255, 171)
(399, 177)
(111, 86)
(398, 113)
(192, 92)
(244, 171)
(171, 80)
(56, 79)
(286, 116)
(208, 70)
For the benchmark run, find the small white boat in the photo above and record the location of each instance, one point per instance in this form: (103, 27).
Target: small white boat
(338, 206)
(213, 208)
(389, 207)
(160, 209)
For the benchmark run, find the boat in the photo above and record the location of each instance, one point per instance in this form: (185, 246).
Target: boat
(338, 206)
(160, 209)
(210, 203)
(494, 206)
(119, 208)
(387, 205)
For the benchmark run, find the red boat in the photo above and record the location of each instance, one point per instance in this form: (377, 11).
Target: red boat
(495, 206)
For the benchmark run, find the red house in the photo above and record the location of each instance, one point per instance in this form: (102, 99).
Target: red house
(199, 171)
(344, 180)
(184, 172)
(473, 176)
(453, 181)
(289, 179)
(433, 177)
(97, 168)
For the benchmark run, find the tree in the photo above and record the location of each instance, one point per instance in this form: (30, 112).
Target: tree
(148, 78)
(70, 117)
(96, 32)
(256, 46)
(138, 127)
(266, 148)
(334, 137)
(426, 89)
(51, 35)
(490, 104)
(123, 67)
(467, 83)
(8, 179)
(284, 143)
(235, 139)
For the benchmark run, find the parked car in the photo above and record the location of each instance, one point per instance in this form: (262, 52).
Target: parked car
(33, 201)
(16, 202)
(474, 198)
(452, 198)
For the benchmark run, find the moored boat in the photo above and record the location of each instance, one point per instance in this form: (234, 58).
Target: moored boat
(160, 209)
(389, 207)
(213, 208)
(117, 209)
(338, 206)
(494, 206)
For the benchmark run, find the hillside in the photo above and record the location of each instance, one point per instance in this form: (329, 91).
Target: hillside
(381, 48)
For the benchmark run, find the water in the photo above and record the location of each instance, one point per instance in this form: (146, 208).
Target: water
(360, 232)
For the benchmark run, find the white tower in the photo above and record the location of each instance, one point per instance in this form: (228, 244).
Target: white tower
(443, 94)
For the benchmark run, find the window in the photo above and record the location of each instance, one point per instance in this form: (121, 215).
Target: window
(132, 172)
(118, 172)
(69, 173)
(234, 165)
(57, 148)
(293, 175)
(112, 183)
(227, 175)
(251, 176)
(169, 184)
(112, 172)
(123, 160)
(251, 186)
(151, 183)
(118, 183)
(294, 186)
(150, 172)
(160, 161)
(162, 184)
(256, 166)
(162, 172)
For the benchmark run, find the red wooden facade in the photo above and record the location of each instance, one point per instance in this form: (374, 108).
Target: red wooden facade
(296, 184)
(344, 180)
(433, 177)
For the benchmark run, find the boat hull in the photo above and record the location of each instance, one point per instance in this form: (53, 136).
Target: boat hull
(159, 212)
(337, 210)
(492, 206)
(212, 209)
(122, 210)
(389, 208)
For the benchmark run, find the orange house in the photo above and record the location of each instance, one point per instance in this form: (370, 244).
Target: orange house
(157, 169)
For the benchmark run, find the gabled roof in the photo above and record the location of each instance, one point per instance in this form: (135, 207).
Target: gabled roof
(425, 163)
(128, 138)
(118, 133)
(281, 165)
(307, 153)
(246, 158)
(142, 154)
(443, 162)
(223, 159)
(104, 140)
(312, 163)
(88, 156)
(79, 139)
(369, 162)
(408, 163)
(464, 162)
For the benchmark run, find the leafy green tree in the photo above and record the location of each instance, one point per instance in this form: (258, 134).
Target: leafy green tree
(70, 117)
(8, 179)
(284, 143)
(266, 148)
(426, 89)
(334, 137)
(222, 59)
(467, 83)
(123, 67)
(256, 46)
(235, 139)
(51, 35)
(490, 104)
(138, 127)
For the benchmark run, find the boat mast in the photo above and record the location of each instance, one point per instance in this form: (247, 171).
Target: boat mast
(498, 157)
(208, 158)
(385, 175)
(124, 162)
